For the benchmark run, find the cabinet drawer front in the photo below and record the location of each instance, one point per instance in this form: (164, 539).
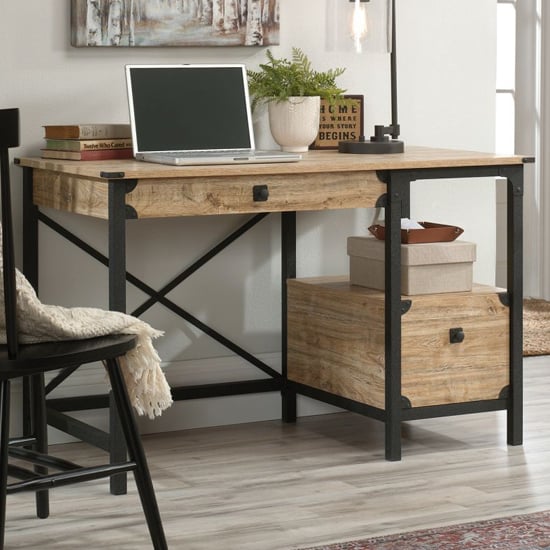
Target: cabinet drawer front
(253, 194)
(439, 368)
(454, 348)
(170, 197)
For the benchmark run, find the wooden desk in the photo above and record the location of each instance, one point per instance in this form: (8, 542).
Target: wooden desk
(323, 180)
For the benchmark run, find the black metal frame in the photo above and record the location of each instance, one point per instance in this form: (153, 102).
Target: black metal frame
(397, 409)
(119, 213)
(397, 204)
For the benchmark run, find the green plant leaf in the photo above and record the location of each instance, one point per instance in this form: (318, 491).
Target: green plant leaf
(279, 79)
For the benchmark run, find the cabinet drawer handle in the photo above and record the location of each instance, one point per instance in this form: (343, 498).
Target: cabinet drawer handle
(456, 335)
(260, 193)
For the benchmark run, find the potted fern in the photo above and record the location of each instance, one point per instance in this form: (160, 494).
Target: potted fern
(293, 90)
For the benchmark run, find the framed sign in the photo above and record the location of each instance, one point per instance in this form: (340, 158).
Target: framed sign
(342, 121)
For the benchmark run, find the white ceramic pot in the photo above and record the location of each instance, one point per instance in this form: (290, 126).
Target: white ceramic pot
(294, 124)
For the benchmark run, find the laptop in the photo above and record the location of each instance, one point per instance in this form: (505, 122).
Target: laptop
(194, 114)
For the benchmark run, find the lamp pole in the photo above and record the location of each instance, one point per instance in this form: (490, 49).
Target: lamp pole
(380, 143)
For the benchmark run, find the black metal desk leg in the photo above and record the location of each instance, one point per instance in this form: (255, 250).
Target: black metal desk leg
(514, 176)
(288, 271)
(117, 302)
(396, 200)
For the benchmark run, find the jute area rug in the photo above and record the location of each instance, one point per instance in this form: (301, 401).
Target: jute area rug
(536, 327)
(525, 532)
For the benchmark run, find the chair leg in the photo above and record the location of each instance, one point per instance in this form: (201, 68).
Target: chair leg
(137, 455)
(117, 449)
(4, 443)
(40, 429)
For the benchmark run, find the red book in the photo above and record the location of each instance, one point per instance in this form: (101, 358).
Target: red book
(103, 154)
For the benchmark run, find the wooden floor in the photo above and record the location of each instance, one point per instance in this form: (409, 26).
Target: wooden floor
(270, 486)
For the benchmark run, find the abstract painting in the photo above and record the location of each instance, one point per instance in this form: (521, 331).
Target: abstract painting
(174, 23)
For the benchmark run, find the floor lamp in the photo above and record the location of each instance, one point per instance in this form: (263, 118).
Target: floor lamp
(385, 139)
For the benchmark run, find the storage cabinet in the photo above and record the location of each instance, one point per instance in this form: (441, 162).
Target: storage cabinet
(454, 346)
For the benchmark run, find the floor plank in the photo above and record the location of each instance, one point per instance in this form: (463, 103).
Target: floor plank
(271, 486)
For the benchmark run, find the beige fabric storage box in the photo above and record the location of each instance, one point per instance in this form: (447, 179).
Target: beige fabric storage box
(426, 268)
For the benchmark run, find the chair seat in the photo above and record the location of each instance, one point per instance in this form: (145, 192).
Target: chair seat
(36, 358)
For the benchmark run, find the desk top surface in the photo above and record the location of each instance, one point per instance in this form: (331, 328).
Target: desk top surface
(315, 161)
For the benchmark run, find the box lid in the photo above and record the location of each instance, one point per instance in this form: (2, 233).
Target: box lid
(415, 254)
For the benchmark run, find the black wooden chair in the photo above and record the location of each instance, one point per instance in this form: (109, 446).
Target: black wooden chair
(31, 361)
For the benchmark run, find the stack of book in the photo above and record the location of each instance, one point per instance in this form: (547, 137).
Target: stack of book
(88, 142)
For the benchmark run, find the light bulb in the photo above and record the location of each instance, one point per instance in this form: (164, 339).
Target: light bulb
(359, 25)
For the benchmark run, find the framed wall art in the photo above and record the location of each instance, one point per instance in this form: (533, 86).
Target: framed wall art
(137, 23)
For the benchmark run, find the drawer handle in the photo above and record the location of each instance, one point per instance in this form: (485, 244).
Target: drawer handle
(260, 193)
(456, 335)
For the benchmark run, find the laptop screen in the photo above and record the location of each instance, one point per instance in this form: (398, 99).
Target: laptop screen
(189, 107)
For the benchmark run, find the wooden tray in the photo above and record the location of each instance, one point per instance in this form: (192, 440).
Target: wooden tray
(432, 233)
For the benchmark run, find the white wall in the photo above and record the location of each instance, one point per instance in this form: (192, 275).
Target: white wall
(446, 87)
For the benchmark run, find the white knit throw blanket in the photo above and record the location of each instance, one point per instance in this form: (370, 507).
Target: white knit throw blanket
(147, 387)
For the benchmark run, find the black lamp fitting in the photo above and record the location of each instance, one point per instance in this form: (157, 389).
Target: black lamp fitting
(384, 140)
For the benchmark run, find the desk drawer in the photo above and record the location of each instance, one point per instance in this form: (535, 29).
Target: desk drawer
(336, 343)
(253, 194)
(199, 196)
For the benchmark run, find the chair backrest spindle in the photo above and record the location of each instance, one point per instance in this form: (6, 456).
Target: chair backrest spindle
(9, 137)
